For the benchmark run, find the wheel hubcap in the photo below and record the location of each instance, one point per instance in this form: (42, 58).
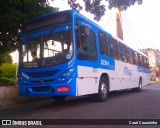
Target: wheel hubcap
(104, 89)
(140, 85)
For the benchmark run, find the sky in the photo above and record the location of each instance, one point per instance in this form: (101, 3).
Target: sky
(140, 23)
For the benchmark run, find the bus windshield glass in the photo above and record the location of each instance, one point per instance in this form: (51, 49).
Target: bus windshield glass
(46, 49)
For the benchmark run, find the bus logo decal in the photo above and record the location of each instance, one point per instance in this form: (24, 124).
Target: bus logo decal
(127, 71)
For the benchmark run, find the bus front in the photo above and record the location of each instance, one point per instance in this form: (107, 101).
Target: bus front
(46, 62)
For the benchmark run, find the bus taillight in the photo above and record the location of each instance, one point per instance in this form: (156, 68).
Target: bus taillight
(63, 89)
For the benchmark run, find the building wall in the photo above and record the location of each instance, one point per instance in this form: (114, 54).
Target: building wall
(154, 61)
(154, 56)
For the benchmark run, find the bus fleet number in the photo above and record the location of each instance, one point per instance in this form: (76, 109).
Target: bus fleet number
(105, 62)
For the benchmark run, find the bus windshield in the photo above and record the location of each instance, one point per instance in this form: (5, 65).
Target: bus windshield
(46, 50)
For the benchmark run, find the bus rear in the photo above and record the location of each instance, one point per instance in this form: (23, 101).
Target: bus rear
(46, 61)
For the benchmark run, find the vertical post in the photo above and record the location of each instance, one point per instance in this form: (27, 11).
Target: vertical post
(119, 24)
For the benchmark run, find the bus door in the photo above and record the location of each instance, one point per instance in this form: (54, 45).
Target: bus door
(87, 64)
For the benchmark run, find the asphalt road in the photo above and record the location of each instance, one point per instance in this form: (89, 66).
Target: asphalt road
(120, 105)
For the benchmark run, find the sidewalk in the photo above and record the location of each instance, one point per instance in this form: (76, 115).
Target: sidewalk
(9, 96)
(152, 82)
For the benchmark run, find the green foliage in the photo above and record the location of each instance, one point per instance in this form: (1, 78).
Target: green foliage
(5, 58)
(8, 70)
(122, 4)
(6, 81)
(98, 10)
(95, 8)
(13, 14)
(7, 74)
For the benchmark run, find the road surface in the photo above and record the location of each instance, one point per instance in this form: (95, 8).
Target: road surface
(120, 105)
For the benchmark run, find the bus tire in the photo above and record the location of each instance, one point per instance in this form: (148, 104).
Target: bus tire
(139, 88)
(59, 98)
(103, 90)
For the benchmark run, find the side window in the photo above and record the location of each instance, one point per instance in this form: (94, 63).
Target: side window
(130, 55)
(135, 59)
(103, 44)
(145, 62)
(123, 55)
(86, 43)
(140, 60)
(113, 46)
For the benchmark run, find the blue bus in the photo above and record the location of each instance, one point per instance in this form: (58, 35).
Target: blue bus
(65, 54)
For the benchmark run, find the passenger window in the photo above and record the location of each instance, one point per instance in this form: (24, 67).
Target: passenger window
(123, 55)
(135, 59)
(103, 44)
(130, 55)
(113, 46)
(86, 43)
(140, 60)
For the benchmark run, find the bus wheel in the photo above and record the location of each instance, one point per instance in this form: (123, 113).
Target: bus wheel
(139, 88)
(103, 90)
(59, 98)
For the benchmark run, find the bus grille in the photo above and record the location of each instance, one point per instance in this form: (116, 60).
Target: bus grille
(41, 89)
(42, 74)
(44, 81)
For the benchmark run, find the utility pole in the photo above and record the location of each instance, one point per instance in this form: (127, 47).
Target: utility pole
(119, 24)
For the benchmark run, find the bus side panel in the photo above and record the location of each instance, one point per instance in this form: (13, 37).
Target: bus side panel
(87, 80)
(125, 76)
(128, 75)
(145, 74)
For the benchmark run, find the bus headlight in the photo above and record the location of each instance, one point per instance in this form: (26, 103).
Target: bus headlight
(66, 75)
(23, 80)
(62, 79)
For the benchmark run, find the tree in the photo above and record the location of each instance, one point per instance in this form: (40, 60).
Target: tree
(8, 70)
(97, 9)
(7, 74)
(5, 58)
(13, 14)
